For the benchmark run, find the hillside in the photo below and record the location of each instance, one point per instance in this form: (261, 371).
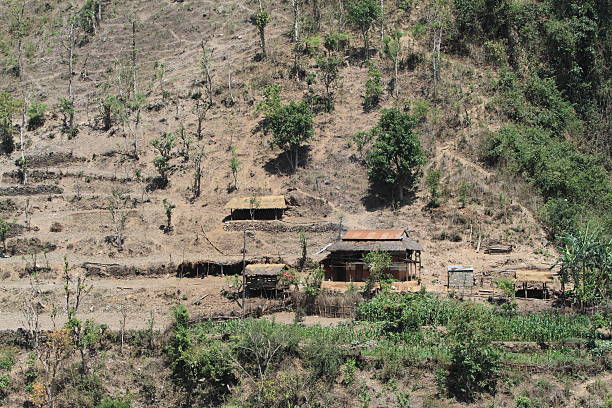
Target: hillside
(508, 100)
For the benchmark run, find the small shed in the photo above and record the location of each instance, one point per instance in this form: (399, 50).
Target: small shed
(257, 207)
(262, 278)
(533, 283)
(460, 277)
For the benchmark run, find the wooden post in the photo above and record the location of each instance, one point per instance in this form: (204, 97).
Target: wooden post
(243, 272)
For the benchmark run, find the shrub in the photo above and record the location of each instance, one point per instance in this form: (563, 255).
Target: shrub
(114, 402)
(5, 384)
(475, 363)
(324, 358)
(36, 115)
(373, 89)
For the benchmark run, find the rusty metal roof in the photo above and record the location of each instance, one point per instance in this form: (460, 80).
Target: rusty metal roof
(271, 202)
(374, 235)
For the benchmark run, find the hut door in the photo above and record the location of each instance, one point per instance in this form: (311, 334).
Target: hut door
(358, 273)
(339, 274)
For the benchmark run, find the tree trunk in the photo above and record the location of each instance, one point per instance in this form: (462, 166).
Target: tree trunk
(262, 40)
(366, 45)
(316, 13)
(296, 19)
(133, 58)
(395, 72)
(70, 70)
(400, 193)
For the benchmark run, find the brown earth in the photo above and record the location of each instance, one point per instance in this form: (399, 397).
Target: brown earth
(72, 180)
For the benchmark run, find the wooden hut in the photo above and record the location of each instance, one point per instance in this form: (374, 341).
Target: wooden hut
(533, 283)
(344, 263)
(270, 207)
(460, 278)
(263, 278)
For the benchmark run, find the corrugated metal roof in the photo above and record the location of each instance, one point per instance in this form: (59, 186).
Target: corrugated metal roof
(271, 202)
(374, 235)
(264, 269)
(459, 268)
(391, 246)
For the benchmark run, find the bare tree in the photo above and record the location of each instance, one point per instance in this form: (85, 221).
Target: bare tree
(296, 19)
(118, 200)
(197, 174)
(206, 61)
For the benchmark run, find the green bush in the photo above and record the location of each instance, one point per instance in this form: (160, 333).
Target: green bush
(571, 183)
(5, 384)
(114, 402)
(324, 358)
(7, 359)
(36, 115)
(373, 89)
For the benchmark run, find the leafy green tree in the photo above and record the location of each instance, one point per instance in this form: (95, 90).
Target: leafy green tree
(260, 20)
(164, 146)
(397, 156)
(586, 262)
(234, 166)
(336, 42)
(393, 51)
(291, 125)
(373, 89)
(330, 73)
(271, 101)
(475, 362)
(5, 229)
(9, 106)
(168, 208)
(66, 107)
(36, 115)
(377, 263)
(112, 109)
(433, 182)
(362, 14)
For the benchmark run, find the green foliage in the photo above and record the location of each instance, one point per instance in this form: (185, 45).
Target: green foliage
(573, 184)
(409, 312)
(309, 45)
(9, 106)
(164, 146)
(373, 89)
(271, 102)
(260, 19)
(336, 42)
(433, 182)
(291, 125)
(330, 73)
(112, 109)
(324, 358)
(5, 385)
(475, 363)
(536, 102)
(5, 228)
(7, 359)
(86, 17)
(312, 281)
(586, 261)
(377, 263)
(397, 156)
(201, 366)
(36, 115)
(362, 14)
(114, 402)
